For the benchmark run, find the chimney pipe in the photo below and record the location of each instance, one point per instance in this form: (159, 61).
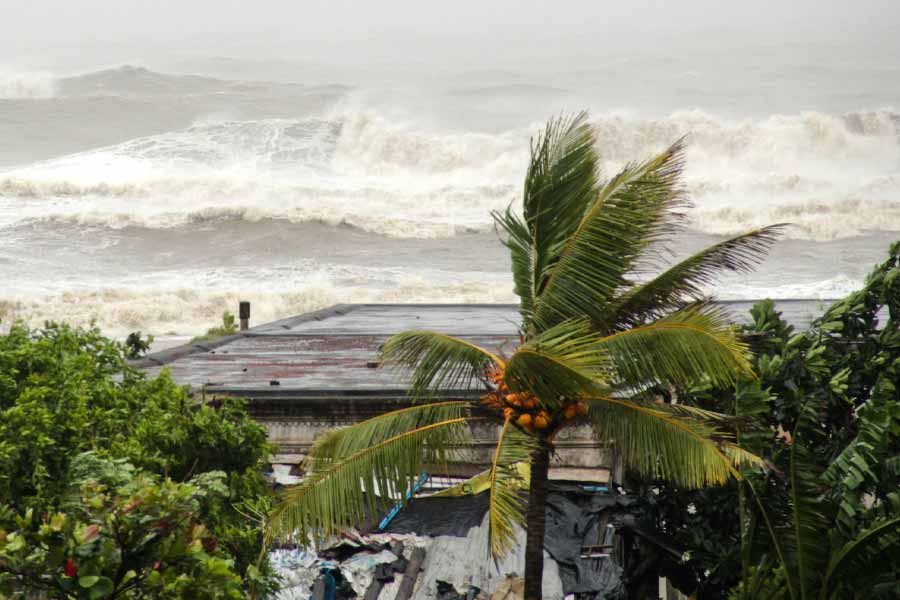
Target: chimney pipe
(244, 314)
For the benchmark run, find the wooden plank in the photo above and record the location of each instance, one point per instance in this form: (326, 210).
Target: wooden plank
(411, 575)
(319, 587)
(374, 590)
(377, 583)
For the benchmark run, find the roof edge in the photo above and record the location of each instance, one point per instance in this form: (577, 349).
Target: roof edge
(164, 357)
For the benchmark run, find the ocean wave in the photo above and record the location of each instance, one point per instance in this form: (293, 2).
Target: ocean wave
(831, 175)
(811, 219)
(187, 311)
(159, 204)
(411, 227)
(137, 81)
(34, 85)
(190, 310)
(828, 289)
(355, 144)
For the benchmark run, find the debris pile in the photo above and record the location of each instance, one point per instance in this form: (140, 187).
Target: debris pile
(437, 549)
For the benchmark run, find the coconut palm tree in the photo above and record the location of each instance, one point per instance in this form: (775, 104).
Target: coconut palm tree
(597, 337)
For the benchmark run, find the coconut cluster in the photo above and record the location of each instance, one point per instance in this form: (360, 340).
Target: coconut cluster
(523, 408)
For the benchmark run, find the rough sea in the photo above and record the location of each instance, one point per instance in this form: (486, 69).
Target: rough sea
(153, 199)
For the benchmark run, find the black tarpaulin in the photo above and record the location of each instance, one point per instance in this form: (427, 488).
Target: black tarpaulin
(440, 516)
(576, 519)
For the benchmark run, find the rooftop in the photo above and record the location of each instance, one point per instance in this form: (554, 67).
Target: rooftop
(332, 352)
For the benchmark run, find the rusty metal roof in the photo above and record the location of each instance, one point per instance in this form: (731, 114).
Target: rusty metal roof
(329, 353)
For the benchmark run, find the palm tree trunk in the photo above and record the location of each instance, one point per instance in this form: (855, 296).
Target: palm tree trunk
(535, 517)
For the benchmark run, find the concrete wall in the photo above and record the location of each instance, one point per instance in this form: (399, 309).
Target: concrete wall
(578, 456)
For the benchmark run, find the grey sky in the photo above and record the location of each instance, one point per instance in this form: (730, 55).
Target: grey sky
(345, 31)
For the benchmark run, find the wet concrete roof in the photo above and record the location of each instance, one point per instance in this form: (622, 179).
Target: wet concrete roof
(330, 353)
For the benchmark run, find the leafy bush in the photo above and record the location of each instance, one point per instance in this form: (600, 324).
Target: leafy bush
(120, 533)
(137, 346)
(825, 414)
(228, 327)
(65, 391)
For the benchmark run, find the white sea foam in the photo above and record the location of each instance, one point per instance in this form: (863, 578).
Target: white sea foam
(26, 85)
(190, 310)
(828, 289)
(178, 310)
(831, 175)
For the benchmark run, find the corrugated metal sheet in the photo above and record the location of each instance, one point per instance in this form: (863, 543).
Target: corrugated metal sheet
(329, 351)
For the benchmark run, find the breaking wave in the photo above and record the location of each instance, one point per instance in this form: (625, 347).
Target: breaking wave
(830, 175)
(26, 85)
(178, 311)
(827, 289)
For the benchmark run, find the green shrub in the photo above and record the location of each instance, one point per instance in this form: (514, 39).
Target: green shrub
(825, 414)
(119, 533)
(228, 327)
(65, 391)
(137, 346)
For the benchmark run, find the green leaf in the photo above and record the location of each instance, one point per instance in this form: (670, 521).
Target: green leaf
(506, 507)
(340, 443)
(630, 213)
(694, 345)
(101, 589)
(563, 362)
(338, 494)
(685, 281)
(661, 441)
(832, 326)
(869, 555)
(437, 361)
(561, 181)
(88, 581)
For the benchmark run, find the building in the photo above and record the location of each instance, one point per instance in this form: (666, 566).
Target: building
(307, 374)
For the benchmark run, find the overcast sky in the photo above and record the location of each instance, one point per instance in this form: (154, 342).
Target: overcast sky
(344, 31)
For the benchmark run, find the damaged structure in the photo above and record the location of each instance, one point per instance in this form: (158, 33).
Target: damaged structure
(587, 552)
(307, 374)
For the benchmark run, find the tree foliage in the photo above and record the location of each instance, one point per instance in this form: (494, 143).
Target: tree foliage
(228, 327)
(65, 391)
(119, 533)
(821, 519)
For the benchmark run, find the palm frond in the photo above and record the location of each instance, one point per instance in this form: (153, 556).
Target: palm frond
(871, 554)
(437, 361)
(689, 346)
(520, 242)
(776, 544)
(338, 444)
(660, 442)
(802, 538)
(564, 361)
(633, 211)
(701, 414)
(335, 495)
(561, 180)
(506, 507)
(684, 281)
